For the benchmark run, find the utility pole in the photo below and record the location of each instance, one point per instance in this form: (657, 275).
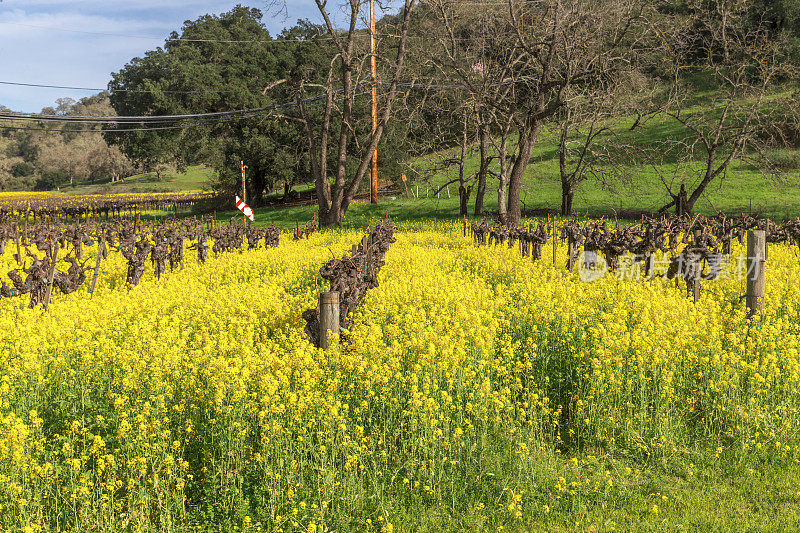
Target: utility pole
(244, 189)
(374, 195)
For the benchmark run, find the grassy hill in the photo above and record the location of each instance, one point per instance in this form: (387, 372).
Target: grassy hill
(195, 178)
(743, 188)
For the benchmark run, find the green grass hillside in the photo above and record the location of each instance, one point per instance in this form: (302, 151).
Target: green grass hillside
(743, 188)
(195, 178)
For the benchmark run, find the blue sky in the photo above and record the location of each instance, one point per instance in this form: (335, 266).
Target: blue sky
(45, 56)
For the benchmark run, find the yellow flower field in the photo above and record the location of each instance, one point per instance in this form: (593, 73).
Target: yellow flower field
(480, 390)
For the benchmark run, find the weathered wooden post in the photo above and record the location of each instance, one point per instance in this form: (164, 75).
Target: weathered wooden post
(756, 258)
(19, 253)
(51, 275)
(101, 246)
(328, 318)
(693, 269)
(554, 240)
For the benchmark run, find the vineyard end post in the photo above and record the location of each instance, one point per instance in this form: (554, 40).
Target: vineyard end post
(756, 258)
(100, 247)
(19, 252)
(328, 318)
(52, 275)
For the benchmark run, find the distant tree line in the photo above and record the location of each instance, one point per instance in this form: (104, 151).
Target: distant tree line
(33, 158)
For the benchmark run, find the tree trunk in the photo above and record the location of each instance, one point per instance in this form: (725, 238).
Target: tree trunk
(335, 213)
(256, 196)
(484, 169)
(566, 198)
(464, 194)
(527, 140)
(502, 187)
(463, 191)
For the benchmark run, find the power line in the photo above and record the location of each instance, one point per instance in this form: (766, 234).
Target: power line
(151, 119)
(88, 119)
(169, 91)
(281, 40)
(154, 128)
(185, 125)
(170, 39)
(39, 85)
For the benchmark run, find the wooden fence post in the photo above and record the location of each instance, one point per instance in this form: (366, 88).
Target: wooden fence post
(554, 240)
(19, 253)
(756, 257)
(693, 283)
(328, 318)
(51, 276)
(100, 247)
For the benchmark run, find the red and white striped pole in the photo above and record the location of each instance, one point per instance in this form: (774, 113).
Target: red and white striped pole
(245, 209)
(244, 189)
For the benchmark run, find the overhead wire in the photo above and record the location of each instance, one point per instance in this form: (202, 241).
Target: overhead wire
(184, 125)
(279, 40)
(168, 39)
(167, 91)
(120, 119)
(161, 119)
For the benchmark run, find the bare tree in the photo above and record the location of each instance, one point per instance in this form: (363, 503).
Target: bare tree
(341, 87)
(578, 155)
(744, 60)
(484, 133)
(522, 67)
